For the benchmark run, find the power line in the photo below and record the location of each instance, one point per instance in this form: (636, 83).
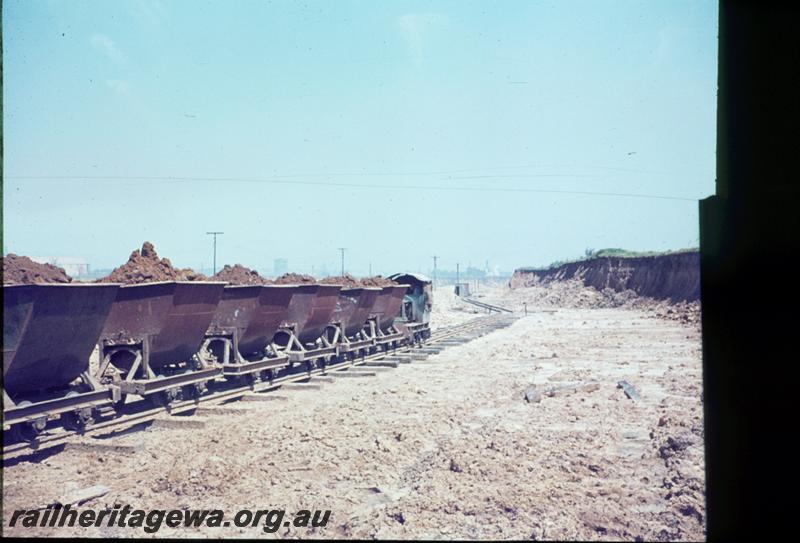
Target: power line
(353, 185)
(471, 170)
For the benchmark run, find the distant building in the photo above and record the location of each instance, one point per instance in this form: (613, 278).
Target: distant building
(74, 266)
(280, 266)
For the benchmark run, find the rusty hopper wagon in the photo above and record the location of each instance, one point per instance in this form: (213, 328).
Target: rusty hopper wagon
(49, 332)
(302, 333)
(152, 335)
(241, 331)
(384, 312)
(347, 329)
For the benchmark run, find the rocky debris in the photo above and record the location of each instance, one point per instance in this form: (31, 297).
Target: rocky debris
(77, 496)
(595, 522)
(295, 279)
(685, 312)
(21, 270)
(240, 275)
(533, 396)
(629, 391)
(572, 293)
(673, 446)
(144, 266)
(677, 440)
(571, 388)
(345, 280)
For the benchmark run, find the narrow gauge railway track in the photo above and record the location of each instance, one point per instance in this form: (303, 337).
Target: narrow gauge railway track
(60, 436)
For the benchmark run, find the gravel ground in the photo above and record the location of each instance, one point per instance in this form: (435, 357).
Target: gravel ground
(445, 448)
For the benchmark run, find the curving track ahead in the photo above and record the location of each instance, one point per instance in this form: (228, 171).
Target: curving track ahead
(438, 341)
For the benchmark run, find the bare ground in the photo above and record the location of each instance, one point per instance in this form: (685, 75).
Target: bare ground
(445, 448)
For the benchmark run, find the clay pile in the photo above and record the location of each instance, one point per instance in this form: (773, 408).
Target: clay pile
(146, 267)
(346, 280)
(240, 275)
(295, 279)
(21, 270)
(377, 281)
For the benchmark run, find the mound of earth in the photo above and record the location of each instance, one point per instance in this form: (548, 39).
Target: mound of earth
(240, 275)
(21, 270)
(377, 281)
(345, 280)
(146, 267)
(294, 279)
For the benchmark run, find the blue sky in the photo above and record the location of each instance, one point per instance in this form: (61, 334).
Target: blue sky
(396, 129)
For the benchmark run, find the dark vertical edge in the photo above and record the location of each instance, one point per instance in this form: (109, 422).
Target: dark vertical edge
(748, 242)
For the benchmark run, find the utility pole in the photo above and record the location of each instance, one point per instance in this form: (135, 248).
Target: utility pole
(457, 264)
(370, 269)
(215, 234)
(342, 250)
(435, 258)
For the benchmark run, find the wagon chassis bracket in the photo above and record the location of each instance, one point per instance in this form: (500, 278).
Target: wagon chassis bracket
(97, 397)
(145, 387)
(297, 352)
(149, 383)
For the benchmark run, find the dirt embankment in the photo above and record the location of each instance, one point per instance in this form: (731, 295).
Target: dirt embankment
(146, 267)
(674, 277)
(21, 270)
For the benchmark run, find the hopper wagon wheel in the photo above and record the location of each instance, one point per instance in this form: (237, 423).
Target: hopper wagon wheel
(192, 391)
(267, 376)
(29, 430)
(309, 365)
(251, 379)
(163, 398)
(78, 419)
